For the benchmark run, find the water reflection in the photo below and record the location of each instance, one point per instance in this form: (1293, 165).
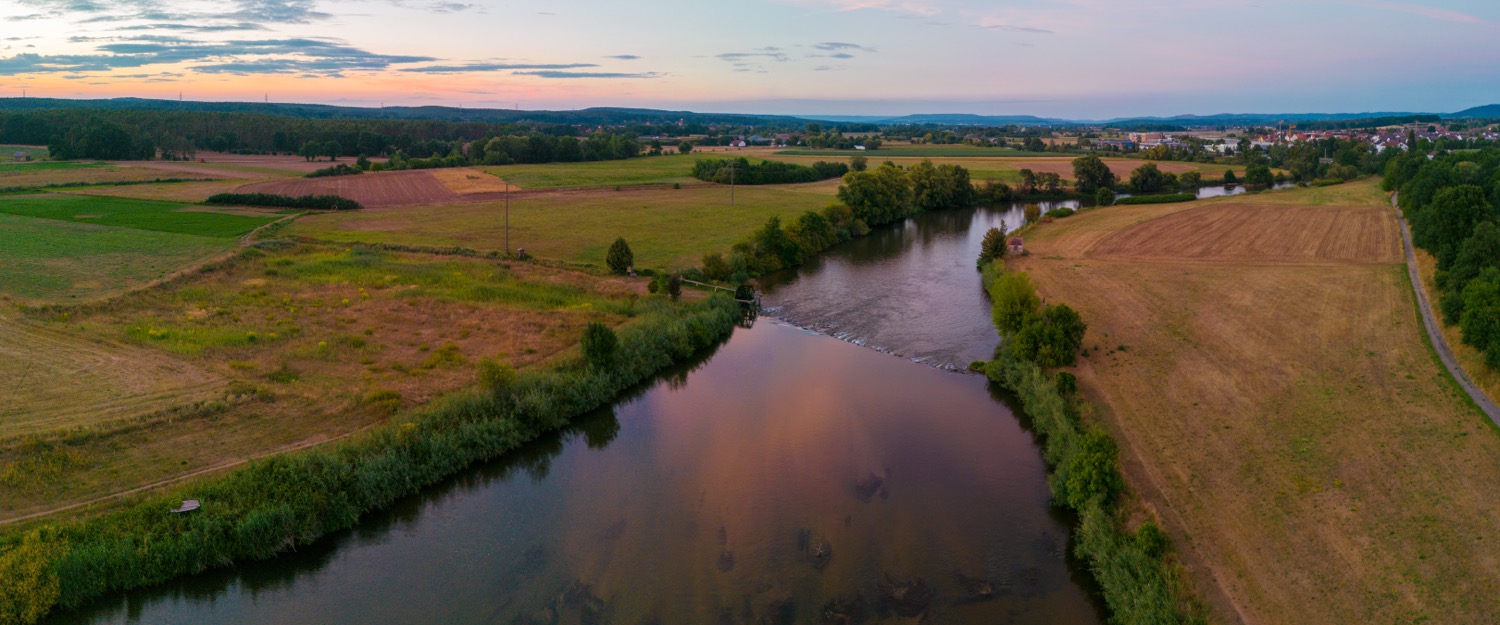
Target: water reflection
(789, 477)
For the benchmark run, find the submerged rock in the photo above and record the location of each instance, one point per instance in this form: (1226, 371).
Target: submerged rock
(843, 610)
(815, 548)
(906, 597)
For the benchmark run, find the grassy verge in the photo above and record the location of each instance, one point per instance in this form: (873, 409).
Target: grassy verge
(1140, 580)
(293, 499)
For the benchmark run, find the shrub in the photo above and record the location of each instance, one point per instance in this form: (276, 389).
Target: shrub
(341, 169)
(1104, 197)
(1059, 213)
(674, 286)
(1166, 198)
(272, 200)
(620, 259)
(599, 345)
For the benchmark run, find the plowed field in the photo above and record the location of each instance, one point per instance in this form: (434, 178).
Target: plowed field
(396, 188)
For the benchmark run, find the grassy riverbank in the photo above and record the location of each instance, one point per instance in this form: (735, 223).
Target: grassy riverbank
(292, 499)
(1139, 577)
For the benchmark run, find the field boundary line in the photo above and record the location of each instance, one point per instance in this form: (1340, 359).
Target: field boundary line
(1434, 333)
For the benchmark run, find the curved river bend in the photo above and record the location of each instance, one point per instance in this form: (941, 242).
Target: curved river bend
(789, 477)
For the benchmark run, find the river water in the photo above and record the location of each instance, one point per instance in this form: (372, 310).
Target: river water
(789, 477)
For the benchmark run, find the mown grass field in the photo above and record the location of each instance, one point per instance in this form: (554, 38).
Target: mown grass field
(296, 345)
(666, 228)
(1283, 416)
(46, 260)
(156, 216)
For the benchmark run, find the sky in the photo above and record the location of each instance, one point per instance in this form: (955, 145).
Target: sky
(1079, 59)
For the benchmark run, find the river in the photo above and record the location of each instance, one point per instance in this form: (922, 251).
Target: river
(788, 477)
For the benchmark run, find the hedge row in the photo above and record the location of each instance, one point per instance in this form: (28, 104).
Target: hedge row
(289, 500)
(314, 202)
(1166, 198)
(1139, 582)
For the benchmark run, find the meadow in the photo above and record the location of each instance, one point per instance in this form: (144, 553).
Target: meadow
(666, 228)
(1310, 459)
(151, 215)
(644, 170)
(295, 344)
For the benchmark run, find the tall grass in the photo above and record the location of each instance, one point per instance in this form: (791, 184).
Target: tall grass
(1140, 582)
(288, 500)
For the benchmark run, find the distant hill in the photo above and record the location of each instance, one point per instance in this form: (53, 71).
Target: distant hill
(944, 119)
(1488, 111)
(602, 115)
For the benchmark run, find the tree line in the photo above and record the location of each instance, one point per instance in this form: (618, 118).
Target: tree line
(1453, 204)
(742, 171)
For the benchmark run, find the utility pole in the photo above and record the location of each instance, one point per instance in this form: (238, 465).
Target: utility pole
(507, 219)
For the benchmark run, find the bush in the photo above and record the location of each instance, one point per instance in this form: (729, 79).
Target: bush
(1167, 198)
(599, 345)
(620, 259)
(341, 169)
(765, 172)
(1104, 197)
(1059, 213)
(272, 200)
(993, 247)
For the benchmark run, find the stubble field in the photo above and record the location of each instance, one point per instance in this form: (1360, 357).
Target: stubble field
(1282, 415)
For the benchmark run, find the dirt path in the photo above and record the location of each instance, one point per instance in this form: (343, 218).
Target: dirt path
(1439, 342)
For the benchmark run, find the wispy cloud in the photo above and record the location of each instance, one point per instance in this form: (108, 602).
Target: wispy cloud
(557, 74)
(623, 57)
(1441, 14)
(494, 67)
(915, 7)
(839, 45)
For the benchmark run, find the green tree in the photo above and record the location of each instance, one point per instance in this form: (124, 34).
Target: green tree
(858, 163)
(620, 259)
(674, 286)
(1091, 472)
(1190, 180)
(309, 150)
(1104, 197)
(599, 345)
(774, 247)
(333, 150)
(685, 147)
(1478, 252)
(715, 268)
(1451, 218)
(1259, 175)
(1033, 212)
(880, 195)
(1091, 173)
(363, 163)
(1229, 177)
(993, 246)
(1015, 300)
(1481, 318)
(1148, 179)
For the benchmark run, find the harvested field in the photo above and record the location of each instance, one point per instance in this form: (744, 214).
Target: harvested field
(174, 191)
(466, 181)
(270, 163)
(1284, 421)
(64, 173)
(188, 169)
(394, 188)
(51, 380)
(1251, 233)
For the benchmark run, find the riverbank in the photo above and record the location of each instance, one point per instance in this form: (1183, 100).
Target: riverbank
(292, 499)
(1139, 576)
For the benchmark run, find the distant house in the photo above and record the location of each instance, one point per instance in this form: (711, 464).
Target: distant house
(1017, 246)
(21, 156)
(859, 147)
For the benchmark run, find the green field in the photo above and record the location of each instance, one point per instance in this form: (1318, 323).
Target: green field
(645, 170)
(666, 228)
(47, 166)
(36, 152)
(51, 260)
(133, 213)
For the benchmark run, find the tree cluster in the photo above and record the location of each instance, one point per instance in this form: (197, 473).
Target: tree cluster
(1453, 204)
(1049, 336)
(888, 193)
(742, 171)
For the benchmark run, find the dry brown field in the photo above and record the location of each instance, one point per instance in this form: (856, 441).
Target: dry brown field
(394, 188)
(465, 181)
(294, 348)
(92, 175)
(1277, 407)
(1472, 360)
(287, 164)
(1239, 233)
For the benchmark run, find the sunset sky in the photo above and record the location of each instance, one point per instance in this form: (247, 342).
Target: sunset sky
(1064, 58)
